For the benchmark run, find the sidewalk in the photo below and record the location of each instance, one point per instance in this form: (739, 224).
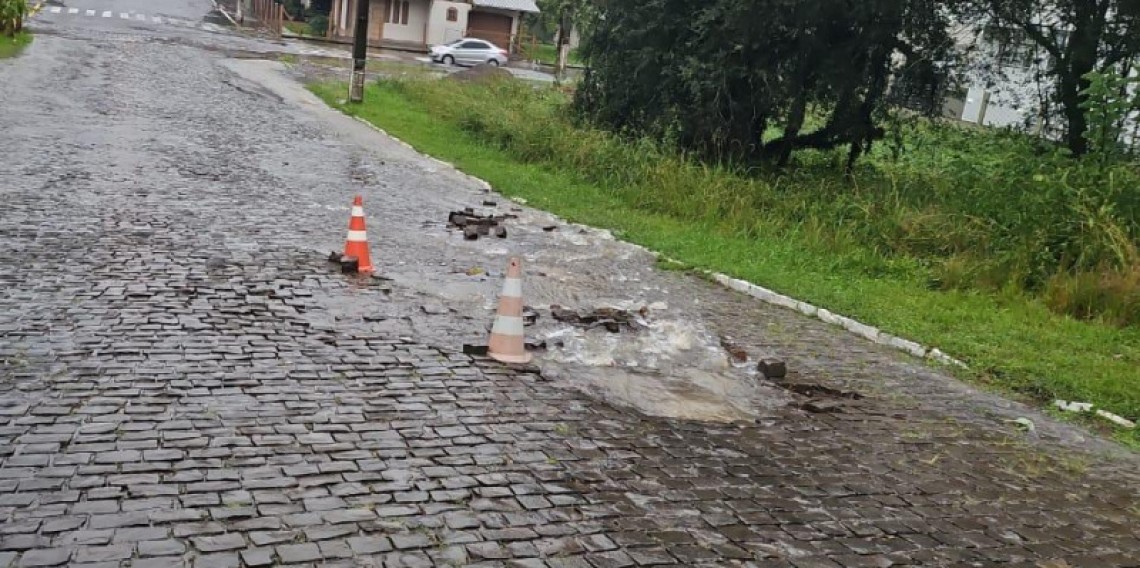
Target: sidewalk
(184, 380)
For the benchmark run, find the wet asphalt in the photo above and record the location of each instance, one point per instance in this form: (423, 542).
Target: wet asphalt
(185, 379)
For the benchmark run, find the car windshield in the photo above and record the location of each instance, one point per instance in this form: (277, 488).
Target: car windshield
(456, 42)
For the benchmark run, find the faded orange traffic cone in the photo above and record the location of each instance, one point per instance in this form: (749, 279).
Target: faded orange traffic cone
(506, 343)
(356, 244)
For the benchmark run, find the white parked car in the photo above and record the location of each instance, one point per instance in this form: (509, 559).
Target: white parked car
(469, 51)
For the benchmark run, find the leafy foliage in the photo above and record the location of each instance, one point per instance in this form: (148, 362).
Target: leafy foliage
(1077, 38)
(721, 76)
(12, 16)
(318, 25)
(1108, 101)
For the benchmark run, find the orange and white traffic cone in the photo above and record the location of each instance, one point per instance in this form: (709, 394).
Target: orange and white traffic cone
(356, 244)
(507, 344)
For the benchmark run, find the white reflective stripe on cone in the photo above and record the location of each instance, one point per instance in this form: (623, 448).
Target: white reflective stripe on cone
(358, 236)
(508, 325)
(357, 211)
(512, 288)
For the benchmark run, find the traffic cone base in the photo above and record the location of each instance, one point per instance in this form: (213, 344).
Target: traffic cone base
(356, 243)
(507, 334)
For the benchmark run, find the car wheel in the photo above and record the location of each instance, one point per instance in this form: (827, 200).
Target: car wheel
(493, 62)
(448, 60)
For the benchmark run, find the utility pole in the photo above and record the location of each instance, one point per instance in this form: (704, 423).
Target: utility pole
(564, 26)
(359, 53)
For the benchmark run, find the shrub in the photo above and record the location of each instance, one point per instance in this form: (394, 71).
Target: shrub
(318, 25)
(12, 16)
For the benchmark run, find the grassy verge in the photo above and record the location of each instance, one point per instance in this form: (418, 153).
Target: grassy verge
(1011, 341)
(547, 53)
(299, 28)
(12, 46)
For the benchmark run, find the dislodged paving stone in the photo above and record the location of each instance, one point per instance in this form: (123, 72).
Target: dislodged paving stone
(182, 377)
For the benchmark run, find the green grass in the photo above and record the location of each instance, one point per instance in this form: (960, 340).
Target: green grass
(12, 46)
(299, 27)
(1012, 341)
(547, 53)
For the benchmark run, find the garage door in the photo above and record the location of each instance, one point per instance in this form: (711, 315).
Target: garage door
(495, 28)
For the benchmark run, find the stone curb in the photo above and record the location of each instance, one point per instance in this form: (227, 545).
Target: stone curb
(761, 293)
(853, 326)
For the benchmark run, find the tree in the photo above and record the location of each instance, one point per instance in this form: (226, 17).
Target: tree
(717, 75)
(12, 16)
(1078, 36)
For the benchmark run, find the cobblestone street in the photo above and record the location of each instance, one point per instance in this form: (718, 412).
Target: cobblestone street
(184, 379)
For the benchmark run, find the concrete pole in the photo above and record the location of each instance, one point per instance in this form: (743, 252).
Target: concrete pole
(563, 46)
(359, 53)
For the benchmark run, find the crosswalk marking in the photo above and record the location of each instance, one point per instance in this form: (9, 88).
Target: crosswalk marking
(92, 13)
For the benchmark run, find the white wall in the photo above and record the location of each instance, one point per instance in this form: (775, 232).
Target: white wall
(414, 30)
(1015, 98)
(442, 31)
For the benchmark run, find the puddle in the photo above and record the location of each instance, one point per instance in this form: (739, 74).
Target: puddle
(668, 368)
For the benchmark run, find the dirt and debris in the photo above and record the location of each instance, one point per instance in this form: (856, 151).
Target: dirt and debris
(481, 73)
(821, 399)
(820, 391)
(348, 264)
(614, 320)
(481, 350)
(735, 352)
(475, 225)
(772, 368)
(822, 406)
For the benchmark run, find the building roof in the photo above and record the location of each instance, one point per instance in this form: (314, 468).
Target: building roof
(513, 5)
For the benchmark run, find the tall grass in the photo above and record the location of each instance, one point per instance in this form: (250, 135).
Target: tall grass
(979, 209)
(13, 45)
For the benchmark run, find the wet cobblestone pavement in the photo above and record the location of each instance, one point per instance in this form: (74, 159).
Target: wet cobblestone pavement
(185, 381)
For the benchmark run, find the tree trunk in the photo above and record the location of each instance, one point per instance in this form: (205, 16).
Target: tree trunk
(792, 130)
(1074, 116)
(1080, 59)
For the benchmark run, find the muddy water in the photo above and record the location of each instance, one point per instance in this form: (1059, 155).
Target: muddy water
(674, 367)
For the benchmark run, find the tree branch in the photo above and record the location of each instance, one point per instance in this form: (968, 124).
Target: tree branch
(1029, 28)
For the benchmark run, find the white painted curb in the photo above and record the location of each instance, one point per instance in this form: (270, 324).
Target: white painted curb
(759, 292)
(853, 326)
